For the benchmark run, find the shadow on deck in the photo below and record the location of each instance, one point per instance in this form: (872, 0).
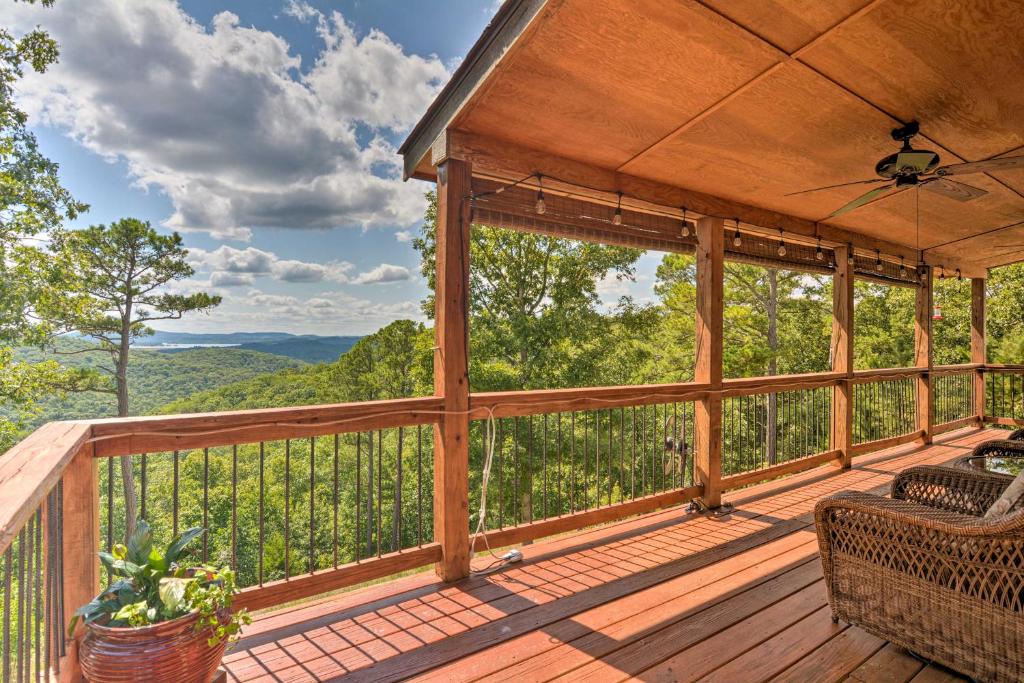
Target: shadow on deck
(668, 596)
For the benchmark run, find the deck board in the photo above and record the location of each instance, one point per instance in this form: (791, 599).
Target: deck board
(665, 596)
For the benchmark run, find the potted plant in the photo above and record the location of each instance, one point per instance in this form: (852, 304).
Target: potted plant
(161, 618)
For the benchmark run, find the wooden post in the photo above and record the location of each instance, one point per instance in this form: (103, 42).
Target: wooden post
(708, 366)
(978, 352)
(81, 532)
(842, 356)
(451, 373)
(923, 355)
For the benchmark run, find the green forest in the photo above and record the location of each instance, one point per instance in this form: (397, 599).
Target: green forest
(537, 321)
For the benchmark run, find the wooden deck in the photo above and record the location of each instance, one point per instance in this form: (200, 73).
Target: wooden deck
(668, 596)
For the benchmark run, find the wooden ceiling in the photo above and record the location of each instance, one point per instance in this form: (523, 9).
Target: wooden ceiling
(750, 100)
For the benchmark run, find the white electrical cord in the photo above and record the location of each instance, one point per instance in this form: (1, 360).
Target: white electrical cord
(490, 437)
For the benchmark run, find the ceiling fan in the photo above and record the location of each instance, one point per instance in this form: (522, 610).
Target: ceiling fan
(917, 168)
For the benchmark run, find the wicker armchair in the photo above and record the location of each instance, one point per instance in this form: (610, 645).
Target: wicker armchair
(1016, 435)
(925, 571)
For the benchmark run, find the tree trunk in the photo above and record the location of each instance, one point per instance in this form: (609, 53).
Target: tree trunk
(771, 423)
(121, 376)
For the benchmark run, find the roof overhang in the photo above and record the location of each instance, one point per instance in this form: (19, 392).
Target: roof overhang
(727, 107)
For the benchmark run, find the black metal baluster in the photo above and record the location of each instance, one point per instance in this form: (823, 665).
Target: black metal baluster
(622, 453)
(572, 460)
(261, 497)
(234, 507)
(206, 504)
(586, 477)
(544, 468)
(6, 644)
(597, 458)
(359, 493)
(558, 457)
(312, 501)
(380, 487)
(501, 473)
(174, 496)
(143, 486)
(287, 506)
(334, 500)
(419, 484)
(396, 536)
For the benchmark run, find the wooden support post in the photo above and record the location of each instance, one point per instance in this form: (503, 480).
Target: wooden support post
(842, 357)
(708, 366)
(451, 373)
(923, 355)
(81, 533)
(978, 352)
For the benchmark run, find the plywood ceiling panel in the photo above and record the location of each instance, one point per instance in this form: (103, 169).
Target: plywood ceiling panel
(788, 24)
(702, 96)
(955, 66)
(601, 80)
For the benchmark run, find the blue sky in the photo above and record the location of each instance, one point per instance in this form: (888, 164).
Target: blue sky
(265, 132)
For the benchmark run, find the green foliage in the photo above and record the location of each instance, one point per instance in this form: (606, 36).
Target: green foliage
(33, 203)
(153, 587)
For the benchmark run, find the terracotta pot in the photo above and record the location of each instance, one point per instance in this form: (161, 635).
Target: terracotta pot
(168, 651)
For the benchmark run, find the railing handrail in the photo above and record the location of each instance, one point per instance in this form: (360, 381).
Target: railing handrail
(134, 435)
(30, 470)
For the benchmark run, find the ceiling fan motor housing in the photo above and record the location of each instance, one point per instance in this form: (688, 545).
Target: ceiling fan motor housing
(908, 161)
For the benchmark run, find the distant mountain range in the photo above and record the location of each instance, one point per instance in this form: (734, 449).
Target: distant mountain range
(310, 348)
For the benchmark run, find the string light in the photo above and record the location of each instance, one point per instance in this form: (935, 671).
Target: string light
(685, 229)
(903, 268)
(818, 253)
(782, 244)
(924, 272)
(942, 273)
(959, 275)
(878, 260)
(617, 218)
(736, 239)
(850, 256)
(541, 206)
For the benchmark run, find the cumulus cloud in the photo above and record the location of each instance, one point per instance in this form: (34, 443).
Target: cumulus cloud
(383, 273)
(230, 279)
(404, 235)
(223, 121)
(332, 310)
(227, 261)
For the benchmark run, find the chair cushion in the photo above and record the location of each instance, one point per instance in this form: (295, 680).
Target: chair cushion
(1010, 499)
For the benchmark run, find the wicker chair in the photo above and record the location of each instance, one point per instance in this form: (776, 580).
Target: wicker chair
(998, 448)
(925, 571)
(1016, 435)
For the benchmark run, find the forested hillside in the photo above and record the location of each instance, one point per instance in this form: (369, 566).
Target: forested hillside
(155, 378)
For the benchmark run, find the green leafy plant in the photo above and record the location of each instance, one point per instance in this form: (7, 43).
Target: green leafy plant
(152, 587)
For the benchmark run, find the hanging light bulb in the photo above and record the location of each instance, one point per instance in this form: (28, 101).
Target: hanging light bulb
(903, 268)
(851, 258)
(942, 273)
(617, 218)
(782, 244)
(959, 275)
(736, 239)
(878, 260)
(685, 229)
(923, 270)
(818, 253)
(540, 207)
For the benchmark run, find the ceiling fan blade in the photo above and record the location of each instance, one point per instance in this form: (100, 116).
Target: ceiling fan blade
(982, 166)
(962, 192)
(867, 198)
(916, 161)
(832, 187)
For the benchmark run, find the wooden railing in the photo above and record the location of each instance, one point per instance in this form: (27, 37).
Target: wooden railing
(562, 460)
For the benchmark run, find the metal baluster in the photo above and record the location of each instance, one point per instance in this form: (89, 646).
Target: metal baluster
(312, 500)
(174, 497)
(334, 501)
(380, 487)
(586, 478)
(632, 455)
(359, 493)
(622, 452)
(206, 504)
(6, 644)
(143, 481)
(38, 602)
(517, 506)
(20, 626)
(572, 460)
(396, 537)
(419, 484)
(597, 458)
(27, 589)
(234, 507)
(262, 496)
(110, 508)
(287, 506)
(544, 468)
(501, 473)
(558, 457)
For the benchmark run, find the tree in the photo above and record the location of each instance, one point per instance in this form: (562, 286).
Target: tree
(32, 204)
(112, 283)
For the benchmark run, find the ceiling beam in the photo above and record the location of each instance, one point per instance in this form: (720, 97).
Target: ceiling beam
(505, 161)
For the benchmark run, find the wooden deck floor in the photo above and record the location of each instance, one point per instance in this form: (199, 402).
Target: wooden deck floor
(664, 597)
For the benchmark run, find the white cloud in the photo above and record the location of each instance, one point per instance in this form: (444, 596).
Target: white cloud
(224, 279)
(225, 260)
(383, 273)
(222, 120)
(404, 235)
